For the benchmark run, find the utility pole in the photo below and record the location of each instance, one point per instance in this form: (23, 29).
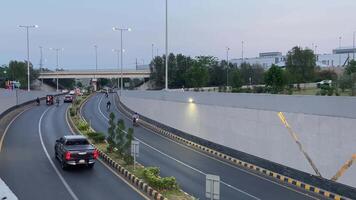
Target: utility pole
(28, 53)
(41, 62)
(353, 46)
(57, 61)
(227, 67)
(166, 81)
(153, 46)
(96, 59)
(136, 64)
(121, 51)
(242, 51)
(339, 52)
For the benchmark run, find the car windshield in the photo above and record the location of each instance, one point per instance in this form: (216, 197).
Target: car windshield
(77, 142)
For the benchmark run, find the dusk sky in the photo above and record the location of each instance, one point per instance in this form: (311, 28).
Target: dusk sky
(196, 27)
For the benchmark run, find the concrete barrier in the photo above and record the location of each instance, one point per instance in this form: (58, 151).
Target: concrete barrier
(249, 123)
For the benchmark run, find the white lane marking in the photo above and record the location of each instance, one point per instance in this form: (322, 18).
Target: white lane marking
(8, 126)
(50, 160)
(184, 164)
(108, 167)
(223, 162)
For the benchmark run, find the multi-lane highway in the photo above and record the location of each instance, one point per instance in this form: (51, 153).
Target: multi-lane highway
(30, 170)
(190, 166)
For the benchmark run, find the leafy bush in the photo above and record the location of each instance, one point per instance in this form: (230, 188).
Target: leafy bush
(83, 125)
(151, 175)
(72, 112)
(97, 137)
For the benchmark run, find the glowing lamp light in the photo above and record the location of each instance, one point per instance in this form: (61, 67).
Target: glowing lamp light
(191, 100)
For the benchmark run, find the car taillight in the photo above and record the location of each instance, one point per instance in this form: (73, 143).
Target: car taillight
(67, 155)
(95, 154)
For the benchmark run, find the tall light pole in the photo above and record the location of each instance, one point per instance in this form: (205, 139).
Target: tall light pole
(57, 61)
(227, 67)
(41, 62)
(121, 51)
(96, 59)
(153, 46)
(353, 46)
(339, 52)
(117, 51)
(166, 81)
(27, 27)
(242, 51)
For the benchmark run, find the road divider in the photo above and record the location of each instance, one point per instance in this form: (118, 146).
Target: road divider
(136, 183)
(334, 190)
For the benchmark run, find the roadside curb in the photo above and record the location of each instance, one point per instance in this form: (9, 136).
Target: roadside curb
(133, 180)
(230, 159)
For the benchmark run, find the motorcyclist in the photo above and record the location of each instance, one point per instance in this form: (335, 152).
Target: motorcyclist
(106, 94)
(135, 117)
(108, 104)
(38, 101)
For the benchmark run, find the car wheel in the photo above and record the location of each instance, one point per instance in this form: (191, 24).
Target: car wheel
(90, 166)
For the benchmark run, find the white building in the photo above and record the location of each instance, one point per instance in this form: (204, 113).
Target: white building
(339, 57)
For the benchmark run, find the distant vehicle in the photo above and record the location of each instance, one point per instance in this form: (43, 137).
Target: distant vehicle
(75, 150)
(65, 91)
(324, 82)
(107, 90)
(72, 92)
(49, 99)
(68, 99)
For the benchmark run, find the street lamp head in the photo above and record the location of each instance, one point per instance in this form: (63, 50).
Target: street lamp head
(115, 28)
(129, 29)
(35, 26)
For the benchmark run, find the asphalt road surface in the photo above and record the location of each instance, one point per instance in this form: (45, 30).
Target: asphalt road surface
(30, 170)
(189, 166)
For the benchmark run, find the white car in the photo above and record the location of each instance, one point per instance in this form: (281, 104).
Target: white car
(72, 92)
(65, 91)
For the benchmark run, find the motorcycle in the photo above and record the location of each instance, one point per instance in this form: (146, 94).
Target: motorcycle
(135, 121)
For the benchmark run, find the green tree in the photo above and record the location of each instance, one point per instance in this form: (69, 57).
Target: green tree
(157, 69)
(111, 132)
(325, 75)
(275, 79)
(198, 75)
(253, 72)
(351, 67)
(129, 137)
(18, 72)
(120, 135)
(301, 64)
(235, 78)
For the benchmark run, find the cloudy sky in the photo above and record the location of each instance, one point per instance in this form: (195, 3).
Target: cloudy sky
(196, 27)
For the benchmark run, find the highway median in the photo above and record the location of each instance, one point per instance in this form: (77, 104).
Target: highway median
(117, 156)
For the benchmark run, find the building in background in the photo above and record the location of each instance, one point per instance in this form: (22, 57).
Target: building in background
(338, 58)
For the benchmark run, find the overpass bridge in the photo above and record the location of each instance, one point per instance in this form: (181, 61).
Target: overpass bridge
(94, 74)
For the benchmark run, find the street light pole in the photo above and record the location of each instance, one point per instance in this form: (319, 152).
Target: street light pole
(57, 61)
(353, 50)
(96, 59)
(118, 64)
(153, 45)
(227, 67)
(121, 51)
(339, 52)
(41, 62)
(166, 81)
(28, 52)
(242, 51)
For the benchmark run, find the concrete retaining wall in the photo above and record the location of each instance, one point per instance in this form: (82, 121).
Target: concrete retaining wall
(246, 122)
(8, 97)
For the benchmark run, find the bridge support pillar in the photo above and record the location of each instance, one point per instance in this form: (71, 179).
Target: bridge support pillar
(94, 84)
